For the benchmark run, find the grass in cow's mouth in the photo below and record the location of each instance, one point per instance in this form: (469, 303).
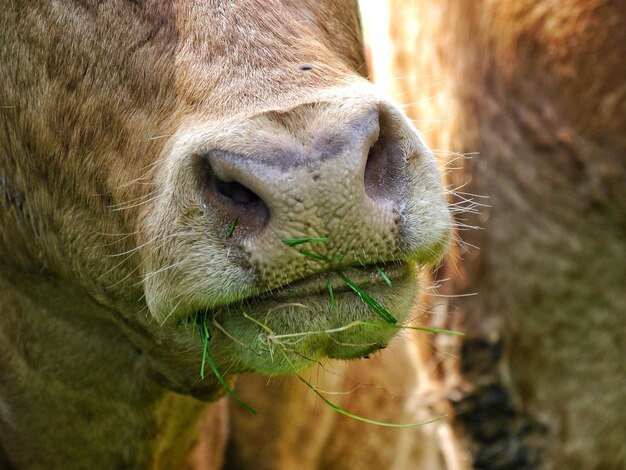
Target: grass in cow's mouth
(375, 306)
(331, 294)
(378, 309)
(205, 336)
(352, 415)
(383, 275)
(314, 256)
(282, 342)
(231, 229)
(300, 241)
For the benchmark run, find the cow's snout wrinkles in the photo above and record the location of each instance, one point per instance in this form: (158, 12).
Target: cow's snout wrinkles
(289, 172)
(300, 174)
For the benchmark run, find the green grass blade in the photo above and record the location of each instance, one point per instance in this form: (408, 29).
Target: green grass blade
(299, 241)
(331, 294)
(257, 322)
(436, 330)
(383, 275)
(369, 301)
(358, 323)
(225, 385)
(339, 409)
(206, 358)
(410, 327)
(231, 229)
(204, 335)
(314, 256)
(367, 420)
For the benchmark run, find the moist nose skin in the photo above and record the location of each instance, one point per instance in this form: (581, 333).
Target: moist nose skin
(344, 182)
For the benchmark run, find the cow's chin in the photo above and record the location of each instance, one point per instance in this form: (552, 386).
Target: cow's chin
(286, 332)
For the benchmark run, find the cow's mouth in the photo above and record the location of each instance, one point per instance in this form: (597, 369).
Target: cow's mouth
(328, 283)
(363, 276)
(285, 330)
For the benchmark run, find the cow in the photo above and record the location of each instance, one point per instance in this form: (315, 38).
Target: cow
(191, 190)
(527, 100)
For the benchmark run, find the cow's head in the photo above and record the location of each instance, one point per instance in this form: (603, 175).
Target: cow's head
(153, 126)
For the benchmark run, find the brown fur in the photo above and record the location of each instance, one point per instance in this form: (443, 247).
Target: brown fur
(537, 90)
(107, 246)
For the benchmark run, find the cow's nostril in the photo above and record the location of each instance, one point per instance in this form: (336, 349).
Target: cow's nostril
(375, 170)
(384, 165)
(232, 199)
(235, 191)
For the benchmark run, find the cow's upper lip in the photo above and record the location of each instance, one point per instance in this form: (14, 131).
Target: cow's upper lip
(363, 276)
(317, 284)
